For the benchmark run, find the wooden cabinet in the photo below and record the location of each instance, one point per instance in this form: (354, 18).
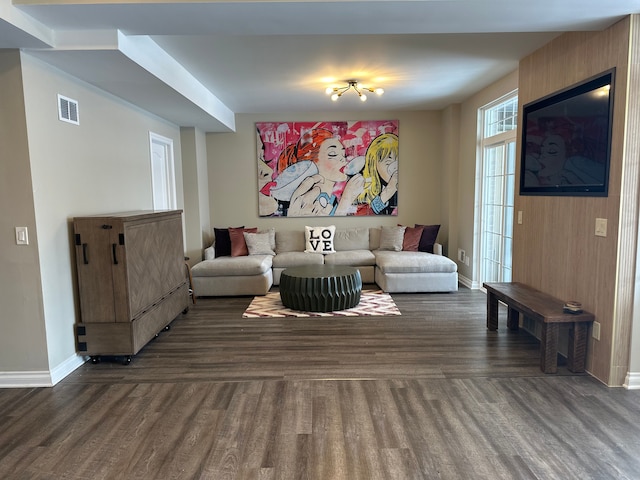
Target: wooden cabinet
(131, 279)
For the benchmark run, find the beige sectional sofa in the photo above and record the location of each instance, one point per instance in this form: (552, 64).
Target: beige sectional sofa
(393, 271)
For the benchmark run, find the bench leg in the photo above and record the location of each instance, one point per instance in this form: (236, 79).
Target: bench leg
(513, 319)
(492, 311)
(577, 351)
(549, 348)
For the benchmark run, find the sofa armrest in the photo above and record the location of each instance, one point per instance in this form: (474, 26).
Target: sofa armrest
(210, 253)
(437, 248)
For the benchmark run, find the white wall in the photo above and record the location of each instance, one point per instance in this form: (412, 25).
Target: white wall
(233, 172)
(100, 166)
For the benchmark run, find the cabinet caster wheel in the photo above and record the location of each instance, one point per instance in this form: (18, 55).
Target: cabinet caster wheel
(126, 360)
(185, 310)
(166, 328)
(95, 360)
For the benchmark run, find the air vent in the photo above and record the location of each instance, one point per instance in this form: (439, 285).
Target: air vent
(68, 110)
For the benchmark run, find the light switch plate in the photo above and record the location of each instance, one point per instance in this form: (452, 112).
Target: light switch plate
(601, 227)
(22, 236)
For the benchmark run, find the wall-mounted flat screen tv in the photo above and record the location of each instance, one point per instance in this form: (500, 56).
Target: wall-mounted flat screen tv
(566, 140)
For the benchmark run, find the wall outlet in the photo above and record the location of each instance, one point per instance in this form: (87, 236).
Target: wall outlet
(601, 227)
(461, 255)
(595, 332)
(466, 259)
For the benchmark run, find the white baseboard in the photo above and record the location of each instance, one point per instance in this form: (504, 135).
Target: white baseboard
(42, 378)
(67, 367)
(632, 382)
(468, 282)
(25, 379)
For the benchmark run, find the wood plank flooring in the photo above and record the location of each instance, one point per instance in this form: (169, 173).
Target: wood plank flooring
(428, 395)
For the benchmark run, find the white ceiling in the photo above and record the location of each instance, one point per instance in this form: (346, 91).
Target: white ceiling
(199, 63)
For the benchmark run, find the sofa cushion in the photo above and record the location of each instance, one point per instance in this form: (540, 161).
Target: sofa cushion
(374, 238)
(413, 262)
(351, 239)
(319, 239)
(272, 236)
(352, 258)
(233, 266)
(289, 241)
(297, 259)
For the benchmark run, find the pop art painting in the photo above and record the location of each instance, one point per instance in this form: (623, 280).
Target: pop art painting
(320, 169)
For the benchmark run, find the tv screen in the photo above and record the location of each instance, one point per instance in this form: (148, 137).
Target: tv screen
(566, 140)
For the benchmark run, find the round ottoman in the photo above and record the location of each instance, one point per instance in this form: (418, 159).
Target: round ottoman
(320, 288)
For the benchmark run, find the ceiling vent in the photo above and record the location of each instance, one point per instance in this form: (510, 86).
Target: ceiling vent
(68, 110)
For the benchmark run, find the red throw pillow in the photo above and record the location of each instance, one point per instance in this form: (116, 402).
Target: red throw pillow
(238, 245)
(411, 239)
(222, 241)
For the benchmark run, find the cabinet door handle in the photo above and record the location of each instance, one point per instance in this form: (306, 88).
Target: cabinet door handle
(114, 246)
(85, 255)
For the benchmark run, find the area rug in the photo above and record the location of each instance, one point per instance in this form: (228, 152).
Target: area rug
(372, 303)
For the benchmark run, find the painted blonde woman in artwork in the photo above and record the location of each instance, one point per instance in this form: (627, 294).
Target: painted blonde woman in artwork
(380, 172)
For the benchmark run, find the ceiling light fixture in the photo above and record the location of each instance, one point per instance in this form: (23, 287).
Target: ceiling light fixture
(337, 92)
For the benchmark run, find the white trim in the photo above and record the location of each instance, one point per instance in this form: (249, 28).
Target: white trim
(167, 180)
(41, 378)
(632, 382)
(67, 367)
(25, 379)
(467, 282)
(483, 143)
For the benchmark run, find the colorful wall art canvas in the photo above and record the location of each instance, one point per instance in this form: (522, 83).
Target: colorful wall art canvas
(319, 169)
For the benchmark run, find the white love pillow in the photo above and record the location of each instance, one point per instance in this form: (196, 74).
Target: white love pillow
(319, 239)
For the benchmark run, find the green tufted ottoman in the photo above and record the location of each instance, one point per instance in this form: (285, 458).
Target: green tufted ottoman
(320, 288)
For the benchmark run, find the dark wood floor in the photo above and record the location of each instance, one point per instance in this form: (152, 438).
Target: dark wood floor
(428, 395)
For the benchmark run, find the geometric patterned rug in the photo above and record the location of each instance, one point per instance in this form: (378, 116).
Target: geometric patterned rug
(372, 303)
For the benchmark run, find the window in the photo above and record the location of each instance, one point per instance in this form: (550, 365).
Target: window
(497, 188)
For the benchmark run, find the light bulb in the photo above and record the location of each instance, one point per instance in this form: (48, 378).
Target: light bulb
(329, 90)
(335, 97)
(363, 98)
(379, 91)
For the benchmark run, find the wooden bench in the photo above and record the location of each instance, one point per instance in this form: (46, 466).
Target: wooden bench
(548, 310)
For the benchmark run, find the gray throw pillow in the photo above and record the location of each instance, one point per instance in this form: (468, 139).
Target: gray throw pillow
(258, 243)
(391, 238)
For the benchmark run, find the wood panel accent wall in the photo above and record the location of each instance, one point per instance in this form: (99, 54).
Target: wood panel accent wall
(555, 249)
